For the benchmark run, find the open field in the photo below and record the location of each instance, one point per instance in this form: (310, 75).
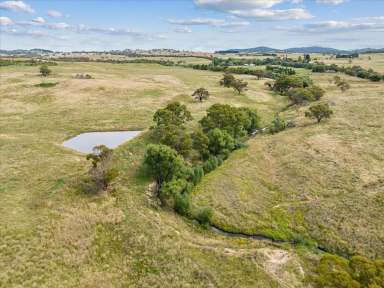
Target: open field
(319, 182)
(312, 183)
(52, 235)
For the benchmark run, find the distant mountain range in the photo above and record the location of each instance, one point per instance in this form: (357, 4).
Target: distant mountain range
(312, 49)
(25, 52)
(261, 49)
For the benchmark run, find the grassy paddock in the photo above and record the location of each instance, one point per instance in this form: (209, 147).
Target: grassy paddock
(318, 183)
(54, 235)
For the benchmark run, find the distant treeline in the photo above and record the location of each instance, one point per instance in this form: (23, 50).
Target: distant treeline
(29, 62)
(348, 56)
(271, 72)
(319, 67)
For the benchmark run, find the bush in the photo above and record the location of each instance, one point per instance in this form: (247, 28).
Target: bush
(220, 142)
(227, 80)
(316, 91)
(182, 204)
(359, 272)
(196, 174)
(44, 70)
(201, 94)
(211, 164)
(83, 76)
(102, 173)
(204, 216)
(319, 112)
(171, 190)
(47, 84)
(300, 95)
(278, 124)
(201, 143)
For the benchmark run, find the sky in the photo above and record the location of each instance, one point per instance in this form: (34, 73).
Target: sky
(196, 25)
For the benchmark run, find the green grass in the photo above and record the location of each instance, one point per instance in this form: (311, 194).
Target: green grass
(53, 234)
(313, 183)
(321, 182)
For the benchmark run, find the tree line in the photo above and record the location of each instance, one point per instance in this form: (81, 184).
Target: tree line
(356, 71)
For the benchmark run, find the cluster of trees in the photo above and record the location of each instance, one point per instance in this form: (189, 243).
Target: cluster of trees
(180, 159)
(230, 81)
(319, 67)
(272, 72)
(299, 89)
(348, 56)
(358, 272)
(278, 71)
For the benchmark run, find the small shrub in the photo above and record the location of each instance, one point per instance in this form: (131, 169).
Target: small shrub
(278, 124)
(319, 112)
(47, 84)
(201, 94)
(220, 142)
(211, 164)
(182, 204)
(83, 76)
(204, 216)
(102, 173)
(197, 174)
(45, 71)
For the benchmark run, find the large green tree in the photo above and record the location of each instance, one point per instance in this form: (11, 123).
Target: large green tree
(163, 163)
(173, 114)
(201, 143)
(286, 82)
(233, 120)
(177, 138)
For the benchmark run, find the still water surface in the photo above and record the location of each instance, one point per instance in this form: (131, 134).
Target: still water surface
(85, 142)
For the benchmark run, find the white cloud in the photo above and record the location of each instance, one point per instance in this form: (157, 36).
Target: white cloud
(5, 21)
(198, 21)
(236, 24)
(258, 9)
(209, 22)
(19, 6)
(330, 2)
(39, 20)
(54, 13)
(228, 5)
(58, 26)
(338, 26)
(183, 30)
(273, 15)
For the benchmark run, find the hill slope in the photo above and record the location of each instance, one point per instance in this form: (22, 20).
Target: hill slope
(321, 183)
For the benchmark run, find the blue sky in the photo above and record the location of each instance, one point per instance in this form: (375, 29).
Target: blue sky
(206, 25)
